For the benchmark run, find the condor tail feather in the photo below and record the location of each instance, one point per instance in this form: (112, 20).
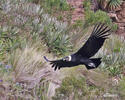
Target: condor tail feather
(95, 63)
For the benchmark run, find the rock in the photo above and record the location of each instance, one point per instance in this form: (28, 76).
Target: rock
(113, 16)
(119, 18)
(121, 22)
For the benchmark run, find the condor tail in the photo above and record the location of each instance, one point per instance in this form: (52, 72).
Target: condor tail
(95, 62)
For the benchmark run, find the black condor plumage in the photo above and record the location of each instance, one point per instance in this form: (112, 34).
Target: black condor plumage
(89, 49)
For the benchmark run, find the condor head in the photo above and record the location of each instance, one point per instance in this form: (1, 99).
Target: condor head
(67, 58)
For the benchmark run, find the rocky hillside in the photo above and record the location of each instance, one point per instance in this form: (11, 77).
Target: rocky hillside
(120, 19)
(31, 29)
(117, 16)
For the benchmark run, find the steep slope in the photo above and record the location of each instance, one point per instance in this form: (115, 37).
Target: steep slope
(78, 12)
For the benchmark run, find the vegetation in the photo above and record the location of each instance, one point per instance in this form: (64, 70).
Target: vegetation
(92, 17)
(34, 28)
(55, 5)
(56, 37)
(114, 62)
(110, 5)
(74, 88)
(58, 8)
(9, 40)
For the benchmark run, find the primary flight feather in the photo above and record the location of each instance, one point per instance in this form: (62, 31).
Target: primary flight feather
(84, 54)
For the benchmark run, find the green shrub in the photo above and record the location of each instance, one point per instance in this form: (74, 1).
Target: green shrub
(32, 22)
(92, 18)
(78, 23)
(55, 34)
(109, 5)
(99, 16)
(71, 86)
(77, 88)
(57, 40)
(9, 40)
(55, 5)
(114, 70)
(113, 55)
(87, 5)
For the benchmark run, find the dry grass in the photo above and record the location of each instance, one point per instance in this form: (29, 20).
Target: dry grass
(31, 70)
(28, 63)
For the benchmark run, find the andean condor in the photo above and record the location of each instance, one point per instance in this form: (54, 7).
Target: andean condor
(89, 49)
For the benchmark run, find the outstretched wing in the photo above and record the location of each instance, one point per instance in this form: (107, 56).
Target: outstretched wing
(57, 64)
(95, 41)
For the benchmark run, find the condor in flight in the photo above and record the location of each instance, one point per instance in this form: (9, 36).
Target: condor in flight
(84, 54)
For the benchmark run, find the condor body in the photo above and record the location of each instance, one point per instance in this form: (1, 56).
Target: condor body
(84, 54)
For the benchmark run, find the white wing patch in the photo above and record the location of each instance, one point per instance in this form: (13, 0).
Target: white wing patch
(70, 58)
(91, 65)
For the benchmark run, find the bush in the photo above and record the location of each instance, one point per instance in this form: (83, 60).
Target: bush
(9, 40)
(71, 87)
(57, 40)
(92, 18)
(109, 5)
(32, 22)
(55, 5)
(77, 88)
(113, 54)
(99, 16)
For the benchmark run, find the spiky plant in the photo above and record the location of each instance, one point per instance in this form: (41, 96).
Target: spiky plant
(31, 19)
(57, 41)
(9, 40)
(55, 34)
(110, 5)
(113, 54)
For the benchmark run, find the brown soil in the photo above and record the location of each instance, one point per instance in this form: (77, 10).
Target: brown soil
(78, 12)
(121, 20)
